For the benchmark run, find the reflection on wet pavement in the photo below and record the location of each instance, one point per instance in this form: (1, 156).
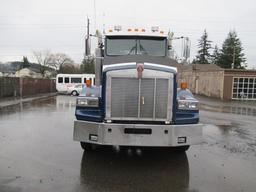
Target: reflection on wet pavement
(153, 170)
(247, 111)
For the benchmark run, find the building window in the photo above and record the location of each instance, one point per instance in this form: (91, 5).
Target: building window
(66, 80)
(76, 80)
(60, 79)
(244, 88)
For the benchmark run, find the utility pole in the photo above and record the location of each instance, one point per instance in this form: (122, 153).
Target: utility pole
(234, 56)
(95, 17)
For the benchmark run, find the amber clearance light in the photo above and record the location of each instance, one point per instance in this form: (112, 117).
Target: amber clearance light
(183, 85)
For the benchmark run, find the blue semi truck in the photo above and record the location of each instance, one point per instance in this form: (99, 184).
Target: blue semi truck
(136, 100)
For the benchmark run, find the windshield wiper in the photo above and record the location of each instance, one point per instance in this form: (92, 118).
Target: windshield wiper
(143, 50)
(132, 49)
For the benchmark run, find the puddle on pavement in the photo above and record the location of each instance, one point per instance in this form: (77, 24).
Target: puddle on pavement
(59, 103)
(238, 110)
(234, 138)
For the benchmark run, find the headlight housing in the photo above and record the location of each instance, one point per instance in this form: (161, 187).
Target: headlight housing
(188, 105)
(87, 102)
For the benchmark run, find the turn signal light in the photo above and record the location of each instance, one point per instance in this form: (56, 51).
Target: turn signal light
(183, 85)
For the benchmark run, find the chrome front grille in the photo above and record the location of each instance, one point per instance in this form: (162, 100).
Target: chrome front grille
(145, 99)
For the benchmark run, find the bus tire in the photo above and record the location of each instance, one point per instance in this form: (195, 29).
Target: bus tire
(74, 93)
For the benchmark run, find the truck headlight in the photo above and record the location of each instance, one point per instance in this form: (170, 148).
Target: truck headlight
(188, 105)
(87, 102)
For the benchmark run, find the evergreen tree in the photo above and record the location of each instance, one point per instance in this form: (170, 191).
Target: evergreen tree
(203, 54)
(25, 63)
(216, 55)
(87, 66)
(231, 53)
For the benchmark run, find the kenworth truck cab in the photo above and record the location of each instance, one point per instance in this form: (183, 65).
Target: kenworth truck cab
(137, 101)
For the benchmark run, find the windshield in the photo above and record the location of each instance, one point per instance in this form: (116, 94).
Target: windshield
(153, 46)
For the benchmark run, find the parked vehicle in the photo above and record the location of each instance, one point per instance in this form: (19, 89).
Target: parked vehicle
(140, 103)
(65, 82)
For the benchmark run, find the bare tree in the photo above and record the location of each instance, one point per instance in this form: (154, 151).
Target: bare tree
(44, 59)
(59, 60)
(69, 69)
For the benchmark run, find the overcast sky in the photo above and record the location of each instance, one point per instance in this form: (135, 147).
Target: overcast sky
(59, 25)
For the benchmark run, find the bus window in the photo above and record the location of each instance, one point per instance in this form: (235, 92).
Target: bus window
(60, 79)
(84, 80)
(93, 81)
(66, 79)
(76, 80)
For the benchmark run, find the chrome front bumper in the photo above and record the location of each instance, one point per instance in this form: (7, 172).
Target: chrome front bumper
(137, 134)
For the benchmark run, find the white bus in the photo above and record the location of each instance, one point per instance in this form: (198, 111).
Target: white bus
(66, 81)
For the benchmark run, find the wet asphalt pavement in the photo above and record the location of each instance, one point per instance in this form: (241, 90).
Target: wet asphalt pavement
(37, 154)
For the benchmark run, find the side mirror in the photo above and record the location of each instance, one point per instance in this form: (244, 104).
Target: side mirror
(170, 38)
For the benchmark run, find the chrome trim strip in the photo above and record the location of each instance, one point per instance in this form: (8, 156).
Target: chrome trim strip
(173, 69)
(133, 66)
(139, 98)
(108, 97)
(169, 103)
(154, 105)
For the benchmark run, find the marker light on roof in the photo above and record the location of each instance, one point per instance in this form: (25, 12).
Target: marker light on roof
(162, 32)
(154, 29)
(143, 30)
(129, 30)
(110, 30)
(136, 30)
(118, 28)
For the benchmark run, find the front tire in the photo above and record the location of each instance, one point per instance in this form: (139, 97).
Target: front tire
(182, 148)
(74, 93)
(86, 146)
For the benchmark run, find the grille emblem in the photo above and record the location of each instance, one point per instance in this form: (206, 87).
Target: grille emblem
(140, 69)
(143, 100)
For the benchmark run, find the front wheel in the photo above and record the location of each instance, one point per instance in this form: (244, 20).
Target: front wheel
(86, 146)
